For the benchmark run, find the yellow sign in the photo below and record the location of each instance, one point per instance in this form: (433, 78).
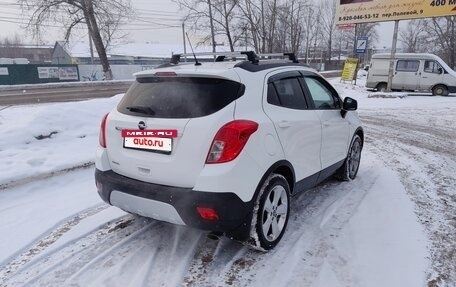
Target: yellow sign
(348, 74)
(361, 11)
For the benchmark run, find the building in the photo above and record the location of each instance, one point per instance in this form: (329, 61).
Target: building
(34, 54)
(151, 54)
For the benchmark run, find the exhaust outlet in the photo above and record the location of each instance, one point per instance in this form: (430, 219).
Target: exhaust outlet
(214, 235)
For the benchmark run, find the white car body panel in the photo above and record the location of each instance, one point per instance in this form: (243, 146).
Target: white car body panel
(190, 148)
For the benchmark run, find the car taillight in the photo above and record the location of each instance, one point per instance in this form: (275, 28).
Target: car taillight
(102, 137)
(230, 140)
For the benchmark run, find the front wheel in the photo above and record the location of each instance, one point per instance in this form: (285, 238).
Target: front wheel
(351, 165)
(271, 213)
(440, 90)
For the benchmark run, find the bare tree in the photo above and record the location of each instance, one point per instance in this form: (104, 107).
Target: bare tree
(102, 18)
(442, 33)
(8, 47)
(216, 16)
(253, 13)
(290, 26)
(328, 22)
(413, 36)
(310, 18)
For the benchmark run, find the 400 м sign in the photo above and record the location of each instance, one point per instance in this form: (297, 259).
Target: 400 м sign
(361, 11)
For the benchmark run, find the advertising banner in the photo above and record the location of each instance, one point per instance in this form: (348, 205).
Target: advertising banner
(68, 73)
(361, 11)
(348, 74)
(4, 72)
(48, 72)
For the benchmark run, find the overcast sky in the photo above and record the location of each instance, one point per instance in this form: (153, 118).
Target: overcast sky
(157, 21)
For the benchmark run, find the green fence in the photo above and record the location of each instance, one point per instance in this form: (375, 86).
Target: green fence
(37, 74)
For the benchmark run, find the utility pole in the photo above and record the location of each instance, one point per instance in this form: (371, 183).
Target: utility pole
(354, 52)
(212, 26)
(393, 55)
(183, 38)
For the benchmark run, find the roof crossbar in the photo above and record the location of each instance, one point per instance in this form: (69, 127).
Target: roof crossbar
(291, 56)
(251, 56)
(219, 56)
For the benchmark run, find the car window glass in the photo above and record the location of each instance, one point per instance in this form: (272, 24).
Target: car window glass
(273, 99)
(178, 97)
(407, 66)
(321, 95)
(432, 67)
(290, 93)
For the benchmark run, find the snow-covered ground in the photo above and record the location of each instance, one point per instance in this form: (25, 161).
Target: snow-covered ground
(395, 225)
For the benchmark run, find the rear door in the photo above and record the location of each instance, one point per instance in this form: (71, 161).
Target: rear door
(297, 126)
(335, 129)
(195, 107)
(406, 75)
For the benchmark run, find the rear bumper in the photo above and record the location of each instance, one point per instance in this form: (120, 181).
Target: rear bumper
(235, 215)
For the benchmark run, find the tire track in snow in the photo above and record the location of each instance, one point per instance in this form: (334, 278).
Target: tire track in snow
(215, 262)
(97, 259)
(45, 240)
(76, 252)
(326, 216)
(317, 217)
(425, 161)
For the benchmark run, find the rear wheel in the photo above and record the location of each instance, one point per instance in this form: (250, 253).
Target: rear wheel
(381, 87)
(440, 90)
(271, 214)
(351, 165)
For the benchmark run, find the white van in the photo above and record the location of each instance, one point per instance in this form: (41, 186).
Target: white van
(413, 72)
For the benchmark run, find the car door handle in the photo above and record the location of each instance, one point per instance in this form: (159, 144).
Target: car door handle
(284, 124)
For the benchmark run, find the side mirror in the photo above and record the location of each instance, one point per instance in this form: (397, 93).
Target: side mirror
(349, 105)
(440, 70)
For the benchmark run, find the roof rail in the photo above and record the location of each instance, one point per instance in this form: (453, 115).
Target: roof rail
(291, 56)
(251, 56)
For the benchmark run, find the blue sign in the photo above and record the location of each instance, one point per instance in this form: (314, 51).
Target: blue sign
(361, 44)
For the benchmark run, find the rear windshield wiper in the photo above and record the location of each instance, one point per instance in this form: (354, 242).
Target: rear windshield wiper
(141, 110)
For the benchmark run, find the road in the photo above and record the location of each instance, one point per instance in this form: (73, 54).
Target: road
(102, 246)
(30, 94)
(420, 145)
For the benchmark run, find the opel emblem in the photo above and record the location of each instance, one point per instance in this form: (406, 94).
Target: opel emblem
(141, 125)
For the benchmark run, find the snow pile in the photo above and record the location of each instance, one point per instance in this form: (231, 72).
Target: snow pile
(45, 138)
(391, 95)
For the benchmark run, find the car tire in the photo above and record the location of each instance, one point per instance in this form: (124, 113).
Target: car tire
(382, 87)
(271, 213)
(349, 169)
(440, 90)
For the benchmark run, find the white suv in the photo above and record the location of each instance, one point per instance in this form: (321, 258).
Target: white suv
(223, 146)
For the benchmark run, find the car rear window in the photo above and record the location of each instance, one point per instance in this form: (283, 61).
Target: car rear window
(179, 97)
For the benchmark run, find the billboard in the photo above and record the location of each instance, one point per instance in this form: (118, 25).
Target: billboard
(362, 11)
(349, 71)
